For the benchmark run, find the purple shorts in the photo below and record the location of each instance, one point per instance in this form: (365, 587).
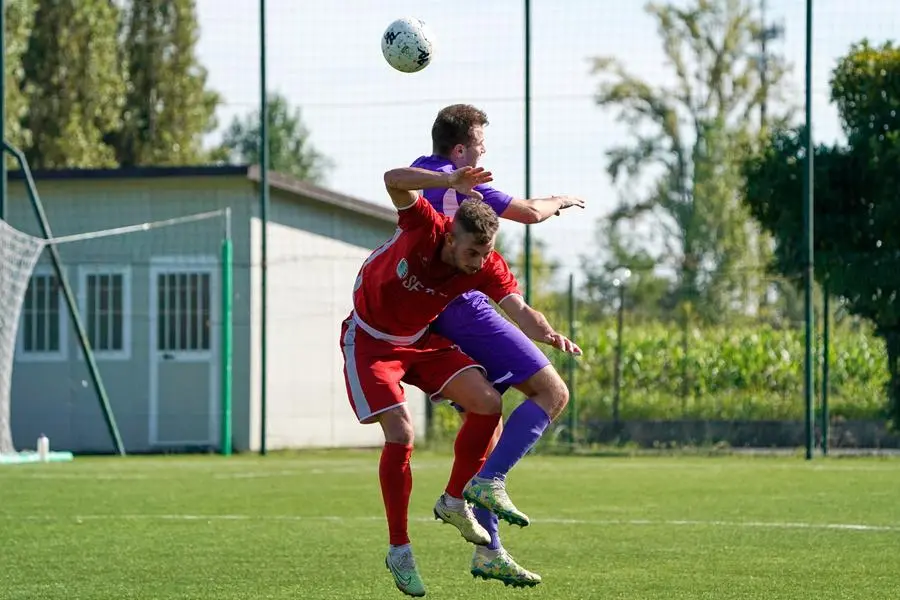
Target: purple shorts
(507, 354)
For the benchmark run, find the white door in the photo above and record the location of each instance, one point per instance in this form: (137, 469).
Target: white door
(183, 352)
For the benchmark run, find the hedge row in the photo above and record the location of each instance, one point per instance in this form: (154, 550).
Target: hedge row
(748, 372)
(728, 373)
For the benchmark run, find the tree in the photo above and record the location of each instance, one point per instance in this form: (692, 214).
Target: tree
(73, 85)
(19, 18)
(168, 107)
(857, 198)
(693, 135)
(289, 148)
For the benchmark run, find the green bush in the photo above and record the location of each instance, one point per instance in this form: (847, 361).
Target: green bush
(729, 373)
(746, 372)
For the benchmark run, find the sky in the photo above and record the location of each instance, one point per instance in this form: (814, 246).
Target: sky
(325, 57)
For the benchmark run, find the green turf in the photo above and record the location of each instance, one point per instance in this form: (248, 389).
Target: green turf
(310, 526)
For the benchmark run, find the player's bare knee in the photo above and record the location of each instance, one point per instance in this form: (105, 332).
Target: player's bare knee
(547, 389)
(402, 433)
(397, 426)
(560, 398)
(472, 391)
(486, 400)
(553, 401)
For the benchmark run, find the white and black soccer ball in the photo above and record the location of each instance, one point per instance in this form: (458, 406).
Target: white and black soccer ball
(407, 45)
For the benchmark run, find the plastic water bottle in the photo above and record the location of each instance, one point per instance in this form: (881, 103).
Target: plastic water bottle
(43, 448)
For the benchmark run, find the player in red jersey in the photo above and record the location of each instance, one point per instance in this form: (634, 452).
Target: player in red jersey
(401, 289)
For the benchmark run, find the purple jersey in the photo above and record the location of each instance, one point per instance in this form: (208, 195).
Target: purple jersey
(469, 321)
(446, 201)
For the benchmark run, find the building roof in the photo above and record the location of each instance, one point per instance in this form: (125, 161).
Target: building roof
(305, 189)
(277, 181)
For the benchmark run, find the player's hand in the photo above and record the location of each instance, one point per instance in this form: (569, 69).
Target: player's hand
(563, 343)
(464, 179)
(568, 202)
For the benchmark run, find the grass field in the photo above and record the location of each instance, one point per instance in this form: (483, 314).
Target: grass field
(310, 526)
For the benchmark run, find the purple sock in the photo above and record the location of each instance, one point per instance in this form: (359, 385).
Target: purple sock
(521, 432)
(489, 521)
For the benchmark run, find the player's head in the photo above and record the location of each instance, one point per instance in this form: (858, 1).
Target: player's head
(475, 227)
(458, 134)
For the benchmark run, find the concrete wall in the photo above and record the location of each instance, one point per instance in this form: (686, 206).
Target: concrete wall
(315, 252)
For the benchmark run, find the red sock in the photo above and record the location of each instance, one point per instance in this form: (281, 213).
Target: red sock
(396, 487)
(470, 450)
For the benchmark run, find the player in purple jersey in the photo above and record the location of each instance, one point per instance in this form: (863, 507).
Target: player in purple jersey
(510, 358)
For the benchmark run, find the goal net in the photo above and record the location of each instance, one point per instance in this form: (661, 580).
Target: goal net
(19, 252)
(128, 303)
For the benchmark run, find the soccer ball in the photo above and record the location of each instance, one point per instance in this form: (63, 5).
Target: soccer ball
(407, 45)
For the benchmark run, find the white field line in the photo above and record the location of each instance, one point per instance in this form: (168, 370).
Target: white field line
(548, 521)
(312, 471)
(248, 468)
(214, 473)
(268, 473)
(224, 474)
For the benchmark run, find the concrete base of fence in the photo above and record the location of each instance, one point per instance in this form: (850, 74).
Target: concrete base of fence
(756, 434)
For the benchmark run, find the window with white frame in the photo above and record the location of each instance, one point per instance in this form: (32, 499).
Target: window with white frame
(105, 298)
(42, 329)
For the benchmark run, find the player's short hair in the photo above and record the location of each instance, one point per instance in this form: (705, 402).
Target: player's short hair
(454, 125)
(478, 218)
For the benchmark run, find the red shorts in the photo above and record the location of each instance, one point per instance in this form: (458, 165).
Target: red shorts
(373, 369)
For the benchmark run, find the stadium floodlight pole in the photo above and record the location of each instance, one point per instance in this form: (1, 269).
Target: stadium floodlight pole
(809, 259)
(3, 188)
(826, 357)
(264, 222)
(527, 245)
(766, 33)
(763, 63)
(620, 278)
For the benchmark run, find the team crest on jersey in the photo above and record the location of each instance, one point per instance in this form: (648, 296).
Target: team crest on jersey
(402, 268)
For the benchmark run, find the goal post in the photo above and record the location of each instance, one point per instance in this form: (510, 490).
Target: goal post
(72, 307)
(21, 252)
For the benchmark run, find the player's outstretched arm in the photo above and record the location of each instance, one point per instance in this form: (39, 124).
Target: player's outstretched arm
(403, 184)
(535, 325)
(538, 210)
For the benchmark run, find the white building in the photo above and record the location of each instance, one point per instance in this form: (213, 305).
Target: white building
(152, 308)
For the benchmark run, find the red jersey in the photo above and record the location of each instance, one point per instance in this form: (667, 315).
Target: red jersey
(404, 285)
